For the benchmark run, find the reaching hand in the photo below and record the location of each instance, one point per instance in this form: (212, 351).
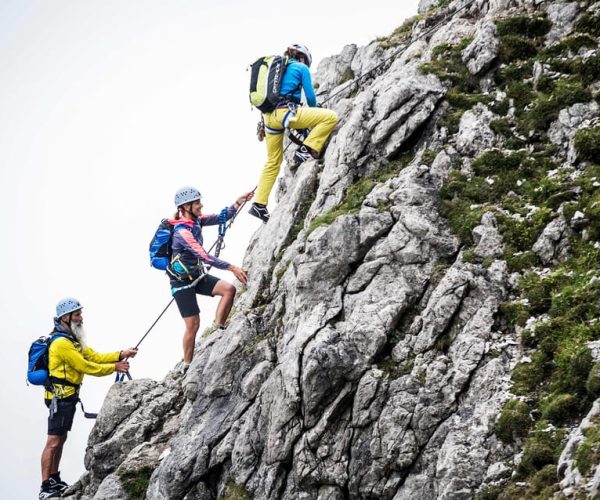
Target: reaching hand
(243, 198)
(129, 353)
(239, 273)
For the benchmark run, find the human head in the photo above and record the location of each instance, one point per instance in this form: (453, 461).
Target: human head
(298, 51)
(184, 196)
(66, 306)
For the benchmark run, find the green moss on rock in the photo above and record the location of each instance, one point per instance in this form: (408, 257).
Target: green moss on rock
(135, 482)
(587, 144)
(561, 408)
(514, 421)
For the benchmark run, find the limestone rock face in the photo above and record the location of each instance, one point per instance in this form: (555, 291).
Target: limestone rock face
(553, 243)
(480, 53)
(368, 356)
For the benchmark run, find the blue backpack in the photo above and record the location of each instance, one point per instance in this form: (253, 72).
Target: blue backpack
(160, 246)
(37, 370)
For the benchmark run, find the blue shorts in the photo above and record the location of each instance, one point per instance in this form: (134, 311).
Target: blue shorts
(186, 297)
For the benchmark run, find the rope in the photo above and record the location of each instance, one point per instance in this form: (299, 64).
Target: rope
(394, 54)
(219, 245)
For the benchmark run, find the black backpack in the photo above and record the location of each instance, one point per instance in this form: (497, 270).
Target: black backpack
(265, 82)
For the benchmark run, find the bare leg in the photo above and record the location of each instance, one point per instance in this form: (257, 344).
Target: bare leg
(227, 293)
(51, 455)
(192, 324)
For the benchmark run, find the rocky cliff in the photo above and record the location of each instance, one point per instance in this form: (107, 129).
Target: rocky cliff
(421, 319)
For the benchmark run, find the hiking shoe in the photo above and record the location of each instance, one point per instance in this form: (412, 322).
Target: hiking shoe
(260, 211)
(50, 490)
(301, 155)
(58, 484)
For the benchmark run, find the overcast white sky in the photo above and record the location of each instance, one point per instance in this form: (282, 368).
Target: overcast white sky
(106, 108)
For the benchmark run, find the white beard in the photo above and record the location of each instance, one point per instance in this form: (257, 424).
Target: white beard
(80, 334)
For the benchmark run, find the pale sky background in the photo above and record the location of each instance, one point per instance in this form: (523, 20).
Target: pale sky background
(106, 108)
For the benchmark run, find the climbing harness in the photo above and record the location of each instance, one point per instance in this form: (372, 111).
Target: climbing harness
(356, 80)
(218, 245)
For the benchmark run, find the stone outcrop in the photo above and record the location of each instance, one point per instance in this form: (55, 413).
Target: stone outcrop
(368, 356)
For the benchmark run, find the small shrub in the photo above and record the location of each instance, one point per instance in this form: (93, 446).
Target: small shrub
(544, 478)
(588, 23)
(515, 313)
(235, 491)
(514, 421)
(515, 48)
(530, 27)
(592, 384)
(561, 409)
(588, 452)
(529, 377)
(135, 482)
(501, 127)
(587, 144)
(541, 449)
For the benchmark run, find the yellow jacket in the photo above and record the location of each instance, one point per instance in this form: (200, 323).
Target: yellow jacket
(68, 360)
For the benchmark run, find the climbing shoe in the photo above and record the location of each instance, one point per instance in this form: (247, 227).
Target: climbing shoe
(260, 211)
(57, 483)
(50, 489)
(302, 154)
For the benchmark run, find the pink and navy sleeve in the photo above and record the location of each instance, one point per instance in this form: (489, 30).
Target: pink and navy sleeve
(186, 239)
(213, 219)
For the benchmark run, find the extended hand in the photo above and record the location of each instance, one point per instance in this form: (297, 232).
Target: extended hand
(129, 353)
(239, 273)
(245, 197)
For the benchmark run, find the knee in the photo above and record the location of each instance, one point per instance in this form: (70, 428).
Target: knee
(229, 291)
(55, 442)
(192, 325)
(332, 118)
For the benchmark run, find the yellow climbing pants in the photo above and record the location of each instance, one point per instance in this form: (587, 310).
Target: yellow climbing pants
(321, 122)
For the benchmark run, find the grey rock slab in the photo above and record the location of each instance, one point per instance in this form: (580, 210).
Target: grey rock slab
(562, 16)
(474, 132)
(481, 52)
(552, 245)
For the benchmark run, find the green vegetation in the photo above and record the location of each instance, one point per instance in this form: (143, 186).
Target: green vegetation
(235, 491)
(521, 37)
(135, 482)
(525, 187)
(587, 144)
(399, 35)
(394, 370)
(514, 421)
(588, 452)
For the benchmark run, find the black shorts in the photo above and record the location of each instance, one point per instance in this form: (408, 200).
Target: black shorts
(62, 421)
(186, 298)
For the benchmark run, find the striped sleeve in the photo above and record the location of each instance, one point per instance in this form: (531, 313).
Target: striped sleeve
(213, 219)
(187, 239)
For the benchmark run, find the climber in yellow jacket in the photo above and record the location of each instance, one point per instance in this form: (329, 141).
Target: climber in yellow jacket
(288, 114)
(69, 359)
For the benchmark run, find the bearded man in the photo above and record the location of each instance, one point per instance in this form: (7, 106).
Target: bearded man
(69, 359)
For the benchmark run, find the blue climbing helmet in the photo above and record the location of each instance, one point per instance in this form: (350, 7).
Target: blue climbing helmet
(303, 49)
(186, 195)
(67, 305)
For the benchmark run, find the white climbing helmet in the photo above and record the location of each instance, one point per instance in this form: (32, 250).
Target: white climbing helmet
(303, 49)
(67, 305)
(186, 195)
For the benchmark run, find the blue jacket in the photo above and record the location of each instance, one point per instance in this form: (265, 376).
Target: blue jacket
(295, 78)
